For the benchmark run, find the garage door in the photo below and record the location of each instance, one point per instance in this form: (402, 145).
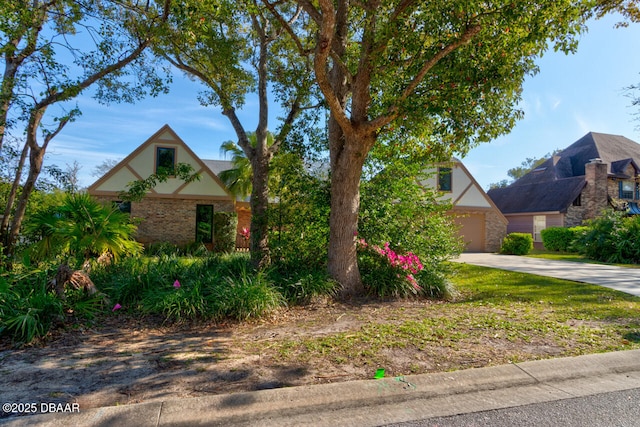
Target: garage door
(472, 231)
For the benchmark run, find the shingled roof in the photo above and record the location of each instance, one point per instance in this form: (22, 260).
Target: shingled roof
(556, 183)
(553, 196)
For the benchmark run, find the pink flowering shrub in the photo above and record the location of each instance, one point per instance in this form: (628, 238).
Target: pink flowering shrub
(387, 273)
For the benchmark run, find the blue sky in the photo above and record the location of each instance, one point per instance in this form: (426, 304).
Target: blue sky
(571, 96)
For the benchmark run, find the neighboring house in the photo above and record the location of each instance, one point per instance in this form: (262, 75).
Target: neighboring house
(482, 226)
(597, 172)
(174, 211)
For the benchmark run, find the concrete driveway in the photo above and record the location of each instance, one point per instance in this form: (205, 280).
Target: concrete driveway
(619, 278)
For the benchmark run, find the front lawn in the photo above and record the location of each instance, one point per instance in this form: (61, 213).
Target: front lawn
(497, 317)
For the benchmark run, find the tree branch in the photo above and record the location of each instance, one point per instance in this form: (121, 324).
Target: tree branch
(287, 27)
(323, 49)
(394, 109)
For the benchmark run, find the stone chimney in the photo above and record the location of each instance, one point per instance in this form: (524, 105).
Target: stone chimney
(594, 195)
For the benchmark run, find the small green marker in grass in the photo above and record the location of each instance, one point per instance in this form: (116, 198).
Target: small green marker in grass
(379, 374)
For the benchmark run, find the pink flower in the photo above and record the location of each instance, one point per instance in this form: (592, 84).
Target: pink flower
(176, 284)
(245, 233)
(116, 307)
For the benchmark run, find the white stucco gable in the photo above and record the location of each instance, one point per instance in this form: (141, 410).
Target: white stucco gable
(465, 190)
(141, 163)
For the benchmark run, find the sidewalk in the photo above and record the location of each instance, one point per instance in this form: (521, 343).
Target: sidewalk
(376, 402)
(623, 279)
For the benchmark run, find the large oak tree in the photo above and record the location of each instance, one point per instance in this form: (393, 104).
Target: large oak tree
(443, 74)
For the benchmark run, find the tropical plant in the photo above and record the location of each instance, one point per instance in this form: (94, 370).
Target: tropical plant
(216, 287)
(83, 228)
(28, 310)
(238, 178)
(246, 295)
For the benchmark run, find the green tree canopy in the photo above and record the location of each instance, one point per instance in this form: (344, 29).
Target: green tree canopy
(446, 75)
(235, 49)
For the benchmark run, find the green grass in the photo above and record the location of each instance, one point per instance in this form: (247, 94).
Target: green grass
(497, 317)
(572, 257)
(559, 256)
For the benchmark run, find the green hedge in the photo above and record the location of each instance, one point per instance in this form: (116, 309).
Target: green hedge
(225, 226)
(611, 238)
(517, 244)
(558, 238)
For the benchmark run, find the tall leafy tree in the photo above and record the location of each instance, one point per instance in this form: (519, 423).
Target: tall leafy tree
(446, 75)
(56, 49)
(629, 9)
(236, 49)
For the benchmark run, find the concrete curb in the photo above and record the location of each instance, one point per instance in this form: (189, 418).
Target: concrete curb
(377, 402)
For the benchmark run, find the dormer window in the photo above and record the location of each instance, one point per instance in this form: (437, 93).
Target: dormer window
(165, 160)
(444, 179)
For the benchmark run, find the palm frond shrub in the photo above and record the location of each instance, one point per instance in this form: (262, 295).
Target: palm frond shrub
(81, 227)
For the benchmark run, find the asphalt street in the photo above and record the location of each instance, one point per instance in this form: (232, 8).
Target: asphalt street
(621, 409)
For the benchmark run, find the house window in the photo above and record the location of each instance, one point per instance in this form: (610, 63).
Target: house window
(444, 179)
(626, 189)
(539, 224)
(124, 207)
(578, 200)
(165, 160)
(204, 223)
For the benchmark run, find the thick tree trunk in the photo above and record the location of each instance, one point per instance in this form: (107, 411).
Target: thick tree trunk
(343, 221)
(259, 241)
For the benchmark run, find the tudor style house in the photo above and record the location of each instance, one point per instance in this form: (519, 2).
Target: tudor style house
(597, 172)
(482, 225)
(181, 213)
(173, 211)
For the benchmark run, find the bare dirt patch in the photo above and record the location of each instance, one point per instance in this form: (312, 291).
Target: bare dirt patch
(126, 361)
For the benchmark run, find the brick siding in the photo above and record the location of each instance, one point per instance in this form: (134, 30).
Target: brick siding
(495, 231)
(169, 220)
